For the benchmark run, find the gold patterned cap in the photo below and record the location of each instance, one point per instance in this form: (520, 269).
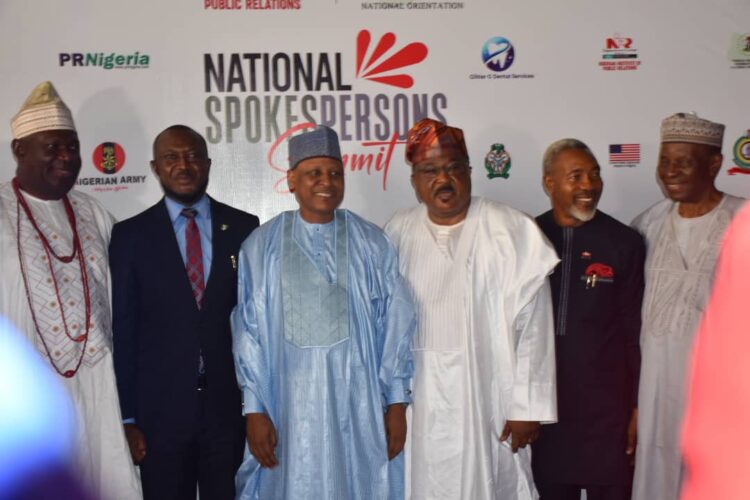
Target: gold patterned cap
(43, 110)
(688, 127)
(430, 137)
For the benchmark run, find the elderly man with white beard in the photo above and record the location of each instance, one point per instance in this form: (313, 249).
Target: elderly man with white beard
(597, 290)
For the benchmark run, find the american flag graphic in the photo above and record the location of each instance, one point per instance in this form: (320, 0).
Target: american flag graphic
(625, 153)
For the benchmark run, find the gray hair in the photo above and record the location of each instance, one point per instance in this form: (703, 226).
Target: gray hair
(557, 147)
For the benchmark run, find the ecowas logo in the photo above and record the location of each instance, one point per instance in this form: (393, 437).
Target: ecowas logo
(266, 97)
(741, 152)
(619, 54)
(113, 60)
(109, 158)
(498, 55)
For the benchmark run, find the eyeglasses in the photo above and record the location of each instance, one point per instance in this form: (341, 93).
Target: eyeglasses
(452, 170)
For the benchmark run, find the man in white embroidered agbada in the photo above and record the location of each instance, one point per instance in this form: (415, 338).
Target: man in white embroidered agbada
(55, 286)
(683, 234)
(484, 350)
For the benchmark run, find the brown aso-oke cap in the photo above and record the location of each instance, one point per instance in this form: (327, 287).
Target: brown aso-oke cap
(430, 138)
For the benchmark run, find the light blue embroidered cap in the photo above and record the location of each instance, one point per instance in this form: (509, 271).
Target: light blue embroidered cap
(322, 141)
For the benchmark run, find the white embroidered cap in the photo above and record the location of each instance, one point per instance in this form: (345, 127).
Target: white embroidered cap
(688, 127)
(43, 110)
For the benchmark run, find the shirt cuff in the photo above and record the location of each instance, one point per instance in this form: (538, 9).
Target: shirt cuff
(128, 421)
(251, 404)
(397, 393)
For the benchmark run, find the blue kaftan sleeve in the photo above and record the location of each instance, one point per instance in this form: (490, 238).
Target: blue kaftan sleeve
(247, 344)
(398, 323)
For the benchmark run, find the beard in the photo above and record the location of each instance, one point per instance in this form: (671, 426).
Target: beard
(582, 215)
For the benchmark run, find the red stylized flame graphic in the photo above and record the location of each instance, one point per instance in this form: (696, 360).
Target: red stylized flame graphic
(374, 68)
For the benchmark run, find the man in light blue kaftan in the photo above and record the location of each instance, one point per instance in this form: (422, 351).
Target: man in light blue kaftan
(322, 334)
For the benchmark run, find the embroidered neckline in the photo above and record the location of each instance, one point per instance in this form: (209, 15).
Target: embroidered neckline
(49, 253)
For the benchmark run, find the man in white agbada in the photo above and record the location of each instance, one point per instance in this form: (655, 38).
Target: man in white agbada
(683, 234)
(484, 350)
(55, 286)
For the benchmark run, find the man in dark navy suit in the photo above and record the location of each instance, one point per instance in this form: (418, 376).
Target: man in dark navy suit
(174, 281)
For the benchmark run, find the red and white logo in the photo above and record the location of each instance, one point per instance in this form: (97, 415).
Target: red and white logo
(619, 42)
(108, 157)
(379, 67)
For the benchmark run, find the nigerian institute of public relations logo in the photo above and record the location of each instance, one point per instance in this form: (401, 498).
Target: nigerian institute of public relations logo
(619, 54)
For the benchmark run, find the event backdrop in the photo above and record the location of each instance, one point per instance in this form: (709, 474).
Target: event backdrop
(249, 73)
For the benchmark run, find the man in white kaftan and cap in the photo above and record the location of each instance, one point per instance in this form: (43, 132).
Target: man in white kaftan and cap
(55, 286)
(484, 350)
(683, 234)
(322, 331)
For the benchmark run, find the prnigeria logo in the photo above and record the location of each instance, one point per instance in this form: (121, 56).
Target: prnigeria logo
(113, 60)
(498, 53)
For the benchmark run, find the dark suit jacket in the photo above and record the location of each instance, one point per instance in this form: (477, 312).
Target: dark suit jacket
(159, 330)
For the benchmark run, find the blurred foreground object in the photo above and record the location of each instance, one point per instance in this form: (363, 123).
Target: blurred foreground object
(715, 433)
(37, 425)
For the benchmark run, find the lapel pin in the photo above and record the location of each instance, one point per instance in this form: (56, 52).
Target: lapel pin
(598, 272)
(224, 227)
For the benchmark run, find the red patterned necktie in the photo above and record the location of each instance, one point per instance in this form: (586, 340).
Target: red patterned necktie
(194, 254)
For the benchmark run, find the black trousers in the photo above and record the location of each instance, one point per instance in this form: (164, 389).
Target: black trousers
(208, 459)
(549, 491)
